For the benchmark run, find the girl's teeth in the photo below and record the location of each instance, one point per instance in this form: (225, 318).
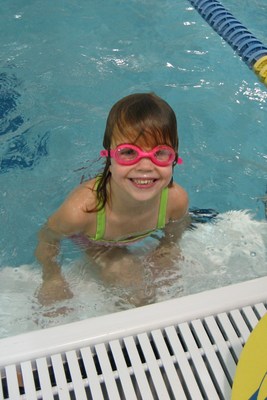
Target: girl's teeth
(143, 181)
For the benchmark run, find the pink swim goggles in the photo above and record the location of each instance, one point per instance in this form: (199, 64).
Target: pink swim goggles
(129, 154)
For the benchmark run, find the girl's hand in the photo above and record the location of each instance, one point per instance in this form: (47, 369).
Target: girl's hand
(54, 289)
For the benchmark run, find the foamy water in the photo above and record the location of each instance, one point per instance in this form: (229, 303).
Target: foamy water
(228, 250)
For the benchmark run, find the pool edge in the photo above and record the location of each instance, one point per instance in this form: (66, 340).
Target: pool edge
(29, 346)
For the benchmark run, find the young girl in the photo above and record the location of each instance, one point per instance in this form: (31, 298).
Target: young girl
(134, 196)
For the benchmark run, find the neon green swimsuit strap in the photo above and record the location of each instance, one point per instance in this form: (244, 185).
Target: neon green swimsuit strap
(100, 224)
(163, 208)
(100, 219)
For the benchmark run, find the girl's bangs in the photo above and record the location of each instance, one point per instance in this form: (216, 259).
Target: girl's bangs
(145, 138)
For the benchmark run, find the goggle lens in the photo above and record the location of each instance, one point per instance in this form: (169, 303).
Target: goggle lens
(126, 154)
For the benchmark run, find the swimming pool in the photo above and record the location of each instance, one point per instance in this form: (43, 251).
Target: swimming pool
(62, 67)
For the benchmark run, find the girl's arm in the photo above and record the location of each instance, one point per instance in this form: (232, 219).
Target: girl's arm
(168, 252)
(70, 218)
(47, 250)
(54, 286)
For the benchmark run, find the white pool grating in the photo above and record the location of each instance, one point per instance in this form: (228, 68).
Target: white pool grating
(193, 359)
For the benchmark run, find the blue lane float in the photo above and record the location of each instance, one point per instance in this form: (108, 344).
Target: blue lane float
(252, 51)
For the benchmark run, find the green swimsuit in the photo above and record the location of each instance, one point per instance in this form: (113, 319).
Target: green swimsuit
(101, 222)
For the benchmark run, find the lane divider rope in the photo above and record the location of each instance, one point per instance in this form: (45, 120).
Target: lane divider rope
(252, 51)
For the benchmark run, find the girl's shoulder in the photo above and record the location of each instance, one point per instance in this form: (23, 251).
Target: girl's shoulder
(73, 216)
(177, 202)
(86, 191)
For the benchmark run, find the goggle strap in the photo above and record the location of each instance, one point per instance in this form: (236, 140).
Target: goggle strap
(104, 153)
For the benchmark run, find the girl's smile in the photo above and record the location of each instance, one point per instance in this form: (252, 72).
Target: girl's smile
(143, 182)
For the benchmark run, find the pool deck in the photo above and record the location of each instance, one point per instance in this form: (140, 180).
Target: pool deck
(185, 348)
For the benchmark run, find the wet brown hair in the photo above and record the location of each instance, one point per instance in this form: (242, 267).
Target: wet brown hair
(143, 119)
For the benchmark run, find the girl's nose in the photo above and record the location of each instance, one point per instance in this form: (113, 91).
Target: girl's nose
(145, 164)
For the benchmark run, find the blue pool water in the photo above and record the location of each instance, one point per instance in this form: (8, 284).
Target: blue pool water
(63, 65)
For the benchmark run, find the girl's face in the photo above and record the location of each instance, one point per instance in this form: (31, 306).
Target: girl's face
(141, 181)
